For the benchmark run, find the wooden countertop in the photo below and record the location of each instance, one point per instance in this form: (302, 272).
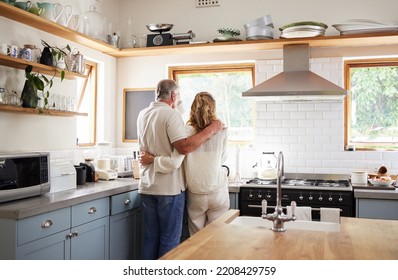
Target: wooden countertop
(358, 239)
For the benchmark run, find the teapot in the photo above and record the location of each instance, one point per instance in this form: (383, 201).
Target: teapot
(51, 11)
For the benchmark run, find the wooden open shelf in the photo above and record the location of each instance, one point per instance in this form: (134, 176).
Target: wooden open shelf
(356, 40)
(34, 111)
(19, 15)
(37, 67)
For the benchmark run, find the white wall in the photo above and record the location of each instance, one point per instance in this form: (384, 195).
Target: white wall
(57, 134)
(19, 132)
(204, 22)
(309, 133)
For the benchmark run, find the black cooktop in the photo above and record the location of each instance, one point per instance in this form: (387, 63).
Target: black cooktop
(302, 182)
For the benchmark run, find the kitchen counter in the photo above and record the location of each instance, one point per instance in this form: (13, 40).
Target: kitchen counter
(27, 207)
(358, 239)
(376, 194)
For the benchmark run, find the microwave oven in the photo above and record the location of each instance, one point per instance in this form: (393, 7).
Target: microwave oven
(24, 175)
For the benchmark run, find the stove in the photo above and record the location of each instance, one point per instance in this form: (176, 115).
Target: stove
(314, 190)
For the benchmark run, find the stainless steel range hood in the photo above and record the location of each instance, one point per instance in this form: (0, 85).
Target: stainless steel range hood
(296, 82)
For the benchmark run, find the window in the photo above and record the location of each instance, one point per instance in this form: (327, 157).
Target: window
(226, 83)
(371, 105)
(87, 103)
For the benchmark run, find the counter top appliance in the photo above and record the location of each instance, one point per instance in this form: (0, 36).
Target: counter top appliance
(313, 190)
(24, 175)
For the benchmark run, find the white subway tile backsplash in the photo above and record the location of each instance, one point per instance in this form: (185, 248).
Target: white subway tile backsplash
(290, 107)
(311, 133)
(314, 115)
(306, 123)
(306, 106)
(297, 115)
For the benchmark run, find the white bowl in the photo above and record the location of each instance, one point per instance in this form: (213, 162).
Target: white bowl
(381, 183)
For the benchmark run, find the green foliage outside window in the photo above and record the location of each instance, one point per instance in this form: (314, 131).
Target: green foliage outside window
(374, 106)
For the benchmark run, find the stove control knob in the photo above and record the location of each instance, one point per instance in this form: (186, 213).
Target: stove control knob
(250, 195)
(301, 197)
(259, 195)
(310, 198)
(320, 198)
(268, 196)
(330, 198)
(340, 199)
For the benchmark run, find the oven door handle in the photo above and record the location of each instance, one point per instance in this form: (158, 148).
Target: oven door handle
(284, 207)
(259, 206)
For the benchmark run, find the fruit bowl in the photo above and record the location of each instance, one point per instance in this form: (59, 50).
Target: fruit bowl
(381, 183)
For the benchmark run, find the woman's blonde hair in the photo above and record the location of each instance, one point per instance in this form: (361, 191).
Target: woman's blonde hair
(203, 111)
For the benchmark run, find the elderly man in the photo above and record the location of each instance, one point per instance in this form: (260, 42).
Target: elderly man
(161, 131)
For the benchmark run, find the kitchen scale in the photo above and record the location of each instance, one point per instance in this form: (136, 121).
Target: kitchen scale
(161, 39)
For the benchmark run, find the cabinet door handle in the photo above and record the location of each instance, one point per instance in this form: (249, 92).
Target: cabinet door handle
(47, 224)
(69, 235)
(127, 202)
(75, 233)
(92, 210)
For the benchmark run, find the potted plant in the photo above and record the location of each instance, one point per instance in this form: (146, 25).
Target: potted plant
(36, 82)
(54, 56)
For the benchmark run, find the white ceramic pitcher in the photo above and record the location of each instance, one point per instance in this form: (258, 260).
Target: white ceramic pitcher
(51, 11)
(65, 16)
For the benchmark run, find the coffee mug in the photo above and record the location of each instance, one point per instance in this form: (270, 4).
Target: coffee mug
(36, 11)
(13, 51)
(4, 49)
(23, 5)
(8, 1)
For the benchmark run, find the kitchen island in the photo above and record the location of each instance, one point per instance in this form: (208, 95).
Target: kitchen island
(358, 239)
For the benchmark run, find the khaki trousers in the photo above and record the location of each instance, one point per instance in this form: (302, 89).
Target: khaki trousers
(205, 208)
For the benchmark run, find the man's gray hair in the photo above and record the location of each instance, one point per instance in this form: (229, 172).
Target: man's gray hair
(164, 89)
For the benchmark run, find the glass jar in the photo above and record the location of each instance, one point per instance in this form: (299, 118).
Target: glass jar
(3, 96)
(93, 23)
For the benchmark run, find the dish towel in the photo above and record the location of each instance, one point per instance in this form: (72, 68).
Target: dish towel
(331, 215)
(302, 213)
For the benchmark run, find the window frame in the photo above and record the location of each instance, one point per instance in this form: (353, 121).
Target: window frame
(91, 73)
(174, 71)
(361, 63)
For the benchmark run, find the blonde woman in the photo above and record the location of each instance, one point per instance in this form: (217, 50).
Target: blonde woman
(207, 183)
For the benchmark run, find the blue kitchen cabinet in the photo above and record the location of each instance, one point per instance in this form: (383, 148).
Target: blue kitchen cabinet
(377, 208)
(234, 200)
(125, 227)
(77, 232)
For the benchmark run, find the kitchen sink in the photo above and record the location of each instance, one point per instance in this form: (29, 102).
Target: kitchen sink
(298, 224)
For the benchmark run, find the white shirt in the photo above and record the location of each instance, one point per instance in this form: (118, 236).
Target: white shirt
(158, 126)
(203, 170)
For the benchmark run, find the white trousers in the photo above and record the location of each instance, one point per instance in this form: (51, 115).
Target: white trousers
(205, 208)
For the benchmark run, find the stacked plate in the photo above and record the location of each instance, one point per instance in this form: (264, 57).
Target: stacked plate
(260, 29)
(358, 26)
(303, 29)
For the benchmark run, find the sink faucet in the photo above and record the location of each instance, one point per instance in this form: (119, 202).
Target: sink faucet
(278, 217)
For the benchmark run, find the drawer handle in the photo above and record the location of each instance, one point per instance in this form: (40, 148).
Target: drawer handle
(47, 224)
(92, 210)
(127, 202)
(72, 234)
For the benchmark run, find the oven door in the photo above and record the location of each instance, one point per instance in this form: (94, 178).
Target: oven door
(250, 201)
